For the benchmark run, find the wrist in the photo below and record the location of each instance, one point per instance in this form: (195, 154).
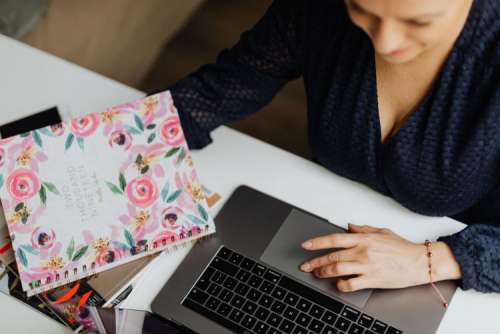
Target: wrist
(444, 264)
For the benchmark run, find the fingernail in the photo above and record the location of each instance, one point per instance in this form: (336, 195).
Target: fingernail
(305, 267)
(307, 244)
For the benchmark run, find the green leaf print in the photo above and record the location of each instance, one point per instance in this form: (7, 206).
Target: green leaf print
(174, 196)
(71, 249)
(151, 126)
(37, 138)
(151, 138)
(80, 142)
(122, 181)
(129, 238)
(164, 191)
(22, 257)
(202, 212)
(196, 220)
(1, 181)
(19, 207)
(139, 123)
(51, 187)
(132, 130)
(30, 249)
(69, 141)
(172, 152)
(43, 195)
(181, 157)
(114, 189)
(80, 253)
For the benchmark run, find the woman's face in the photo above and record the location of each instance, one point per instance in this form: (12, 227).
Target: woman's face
(401, 30)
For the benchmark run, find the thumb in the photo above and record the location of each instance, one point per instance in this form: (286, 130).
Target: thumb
(362, 229)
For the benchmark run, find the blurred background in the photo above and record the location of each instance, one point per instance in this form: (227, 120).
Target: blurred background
(150, 44)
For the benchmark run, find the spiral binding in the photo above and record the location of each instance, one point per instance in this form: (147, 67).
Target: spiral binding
(88, 270)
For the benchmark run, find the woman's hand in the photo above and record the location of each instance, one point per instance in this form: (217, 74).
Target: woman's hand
(378, 258)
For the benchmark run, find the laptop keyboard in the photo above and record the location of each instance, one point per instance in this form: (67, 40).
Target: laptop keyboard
(246, 296)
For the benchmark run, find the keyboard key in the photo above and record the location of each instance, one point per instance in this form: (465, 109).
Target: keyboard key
(317, 311)
(379, 327)
(267, 287)
(259, 269)
(265, 301)
(218, 277)
(290, 313)
(316, 326)
(255, 281)
(272, 276)
(204, 280)
(303, 319)
(248, 322)
(287, 326)
(242, 275)
(214, 289)
(242, 289)
(254, 295)
(198, 296)
(329, 330)
(230, 283)
(224, 309)
(299, 330)
(261, 328)
(226, 295)
(225, 266)
(278, 307)
(274, 331)
(356, 329)
(329, 318)
(291, 299)
(274, 320)
(224, 253)
(342, 324)
(304, 305)
(365, 320)
(235, 258)
(236, 315)
(247, 264)
(213, 316)
(262, 313)
(237, 301)
(249, 307)
(350, 313)
(393, 330)
(308, 293)
(212, 303)
(278, 293)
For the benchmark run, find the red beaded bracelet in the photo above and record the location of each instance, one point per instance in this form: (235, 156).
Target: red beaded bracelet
(428, 245)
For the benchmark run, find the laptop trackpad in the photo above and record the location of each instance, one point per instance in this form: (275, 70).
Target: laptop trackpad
(284, 253)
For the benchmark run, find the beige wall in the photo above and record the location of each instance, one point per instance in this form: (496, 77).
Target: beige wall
(120, 39)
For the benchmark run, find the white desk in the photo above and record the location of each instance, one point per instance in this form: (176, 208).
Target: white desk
(32, 80)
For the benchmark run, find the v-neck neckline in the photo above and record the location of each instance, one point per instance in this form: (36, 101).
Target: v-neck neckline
(382, 146)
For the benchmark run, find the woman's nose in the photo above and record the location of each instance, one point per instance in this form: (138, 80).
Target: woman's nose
(387, 36)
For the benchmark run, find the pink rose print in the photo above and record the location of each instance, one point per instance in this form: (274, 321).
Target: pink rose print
(121, 139)
(2, 156)
(15, 218)
(170, 217)
(42, 239)
(25, 154)
(57, 129)
(112, 120)
(85, 126)
(140, 222)
(23, 184)
(142, 191)
(171, 131)
(110, 255)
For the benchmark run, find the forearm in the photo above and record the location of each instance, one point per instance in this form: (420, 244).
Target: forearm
(444, 264)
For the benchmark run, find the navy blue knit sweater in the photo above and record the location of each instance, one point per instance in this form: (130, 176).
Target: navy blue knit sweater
(443, 161)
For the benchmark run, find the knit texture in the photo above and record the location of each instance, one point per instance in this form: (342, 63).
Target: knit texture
(443, 161)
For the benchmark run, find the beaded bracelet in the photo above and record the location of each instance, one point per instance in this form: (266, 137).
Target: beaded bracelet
(428, 245)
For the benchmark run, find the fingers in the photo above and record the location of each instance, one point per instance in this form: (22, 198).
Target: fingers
(335, 240)
(354, 284)
(344, 255)
(363, 228)
(339, 269)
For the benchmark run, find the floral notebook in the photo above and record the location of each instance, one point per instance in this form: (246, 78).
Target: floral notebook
(98, 191)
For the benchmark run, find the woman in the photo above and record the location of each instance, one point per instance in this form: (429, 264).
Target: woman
(403, 96)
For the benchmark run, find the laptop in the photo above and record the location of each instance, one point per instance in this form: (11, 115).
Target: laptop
(246, 279)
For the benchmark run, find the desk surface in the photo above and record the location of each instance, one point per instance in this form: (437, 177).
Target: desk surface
(32, 80)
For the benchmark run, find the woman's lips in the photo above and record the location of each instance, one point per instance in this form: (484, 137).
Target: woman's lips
(396, 52)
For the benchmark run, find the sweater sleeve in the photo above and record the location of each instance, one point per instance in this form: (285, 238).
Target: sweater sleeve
(244, 78)
(477, 250)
